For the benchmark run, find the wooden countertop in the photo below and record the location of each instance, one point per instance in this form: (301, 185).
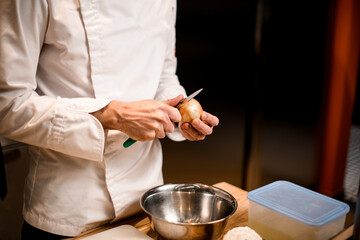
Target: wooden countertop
(142, 222)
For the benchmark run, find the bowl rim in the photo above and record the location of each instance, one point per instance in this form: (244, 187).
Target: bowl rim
(186, 223)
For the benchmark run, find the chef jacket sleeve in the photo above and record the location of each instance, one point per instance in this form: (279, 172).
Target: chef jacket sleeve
(169, 86)
(55, 123)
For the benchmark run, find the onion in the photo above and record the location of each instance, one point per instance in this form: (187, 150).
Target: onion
(190, 110)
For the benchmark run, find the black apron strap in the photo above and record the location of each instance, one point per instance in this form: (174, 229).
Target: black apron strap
(3, 187)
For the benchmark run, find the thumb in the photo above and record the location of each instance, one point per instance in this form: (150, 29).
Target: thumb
(174, 101)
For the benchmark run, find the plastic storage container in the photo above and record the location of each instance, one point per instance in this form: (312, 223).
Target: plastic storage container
(283, 210)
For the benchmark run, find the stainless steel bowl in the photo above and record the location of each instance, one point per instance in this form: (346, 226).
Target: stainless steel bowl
(188, 211)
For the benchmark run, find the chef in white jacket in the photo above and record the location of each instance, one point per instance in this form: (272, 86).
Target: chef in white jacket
(77, 78)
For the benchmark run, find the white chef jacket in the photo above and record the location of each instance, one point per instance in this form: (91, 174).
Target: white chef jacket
(61, 60)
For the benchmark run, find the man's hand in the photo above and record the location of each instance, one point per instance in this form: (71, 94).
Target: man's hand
(199, 129)
(142, 120)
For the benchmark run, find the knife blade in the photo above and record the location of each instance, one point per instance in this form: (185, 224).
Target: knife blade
(131, 141)
(189, 97)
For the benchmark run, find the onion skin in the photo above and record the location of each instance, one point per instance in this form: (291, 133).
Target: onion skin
(190, 110)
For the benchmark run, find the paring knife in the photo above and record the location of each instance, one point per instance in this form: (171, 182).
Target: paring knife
(131, 141)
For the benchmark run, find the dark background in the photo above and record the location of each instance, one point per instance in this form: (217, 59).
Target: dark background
(267, 86)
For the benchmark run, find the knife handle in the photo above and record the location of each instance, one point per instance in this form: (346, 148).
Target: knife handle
(129, 142)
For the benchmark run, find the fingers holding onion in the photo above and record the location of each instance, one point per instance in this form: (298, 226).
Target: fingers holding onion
(195, 123)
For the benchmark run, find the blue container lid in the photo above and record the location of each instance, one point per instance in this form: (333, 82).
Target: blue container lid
(299, 203)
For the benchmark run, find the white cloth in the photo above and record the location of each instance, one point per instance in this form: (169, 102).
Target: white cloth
(61, 60)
